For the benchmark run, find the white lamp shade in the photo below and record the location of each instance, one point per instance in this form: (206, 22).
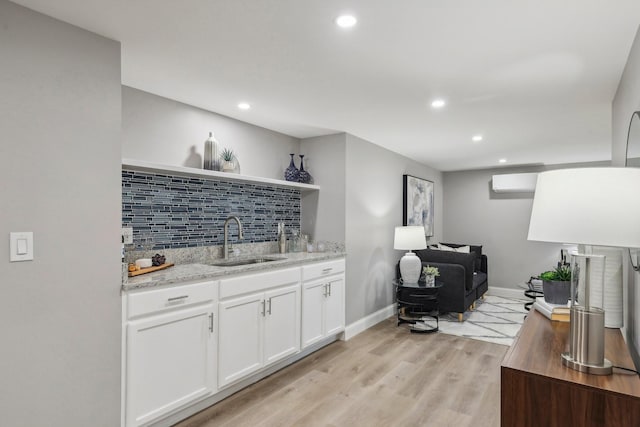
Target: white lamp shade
(409, 238)
(592, 206)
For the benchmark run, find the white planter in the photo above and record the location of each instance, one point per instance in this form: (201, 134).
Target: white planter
(228, 166)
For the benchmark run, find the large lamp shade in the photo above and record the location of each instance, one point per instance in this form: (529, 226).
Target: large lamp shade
(592, 206)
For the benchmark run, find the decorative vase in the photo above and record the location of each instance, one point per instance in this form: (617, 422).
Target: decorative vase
(304, 176)
(211, 156)
(291, 173)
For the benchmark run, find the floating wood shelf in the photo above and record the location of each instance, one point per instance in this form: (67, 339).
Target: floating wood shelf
(141, 166)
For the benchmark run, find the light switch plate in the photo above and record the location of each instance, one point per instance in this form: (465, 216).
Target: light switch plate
(127, 235)
(20, 246)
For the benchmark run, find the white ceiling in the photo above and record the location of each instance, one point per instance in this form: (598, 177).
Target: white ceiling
(535, 77)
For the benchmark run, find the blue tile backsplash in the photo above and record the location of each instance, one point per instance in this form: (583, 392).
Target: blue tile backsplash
(169, 212)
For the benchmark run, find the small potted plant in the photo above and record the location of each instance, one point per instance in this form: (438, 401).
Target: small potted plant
(556, 285)
(228, 160)
(430, 274)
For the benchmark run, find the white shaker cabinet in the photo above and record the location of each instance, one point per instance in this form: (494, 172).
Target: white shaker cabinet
(334, 306)
(259, 322)
(194, 342)
(282, 323)
(170, 350)
(240, 338)
(323, 309)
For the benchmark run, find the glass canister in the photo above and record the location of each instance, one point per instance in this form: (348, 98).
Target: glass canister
(295, 241)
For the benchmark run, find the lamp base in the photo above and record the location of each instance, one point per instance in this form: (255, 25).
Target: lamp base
(410, 268)
(605, 369)
(586, 336)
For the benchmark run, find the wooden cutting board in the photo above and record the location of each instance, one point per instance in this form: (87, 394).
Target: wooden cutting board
(150, 269)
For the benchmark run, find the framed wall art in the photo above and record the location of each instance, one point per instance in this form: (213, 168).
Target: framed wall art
(417, 203)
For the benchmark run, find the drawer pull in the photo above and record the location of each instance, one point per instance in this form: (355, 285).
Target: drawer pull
(326, 270)
(174, 299)
(211, 323)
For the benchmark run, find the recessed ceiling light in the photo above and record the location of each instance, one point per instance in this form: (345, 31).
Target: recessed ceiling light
(477, 138)
(346, 21)
(438, 103)
(244, 106)
(502, 161)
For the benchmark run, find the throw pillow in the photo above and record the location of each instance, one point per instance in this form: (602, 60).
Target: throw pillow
(461, 249)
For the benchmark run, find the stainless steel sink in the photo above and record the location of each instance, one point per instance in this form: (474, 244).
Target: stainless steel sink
(245, 261)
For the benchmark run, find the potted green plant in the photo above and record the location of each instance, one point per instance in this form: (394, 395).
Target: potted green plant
(556, 284)
(228, 160)
(430, 274)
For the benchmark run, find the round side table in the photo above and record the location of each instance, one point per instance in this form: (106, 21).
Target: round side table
(418, 305)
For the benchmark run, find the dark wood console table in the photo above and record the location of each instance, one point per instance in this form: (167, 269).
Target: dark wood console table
(538, 391)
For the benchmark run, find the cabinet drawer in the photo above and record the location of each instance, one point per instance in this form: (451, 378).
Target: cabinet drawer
(258, 282)
(146, 302)
(321, 269)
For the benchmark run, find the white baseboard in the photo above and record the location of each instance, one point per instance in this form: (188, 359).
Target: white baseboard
(366, 322)
(505, 292)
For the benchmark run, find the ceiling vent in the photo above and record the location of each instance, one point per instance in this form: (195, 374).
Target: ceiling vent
(515, 183)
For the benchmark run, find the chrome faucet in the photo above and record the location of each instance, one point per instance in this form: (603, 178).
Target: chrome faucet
(225, 247)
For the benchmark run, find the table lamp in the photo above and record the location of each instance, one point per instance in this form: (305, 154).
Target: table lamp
(587, 206)
(409, 238)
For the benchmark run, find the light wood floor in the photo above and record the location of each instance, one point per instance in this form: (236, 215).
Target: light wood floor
(385, 376)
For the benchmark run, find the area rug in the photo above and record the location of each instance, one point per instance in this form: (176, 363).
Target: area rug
(495, 319)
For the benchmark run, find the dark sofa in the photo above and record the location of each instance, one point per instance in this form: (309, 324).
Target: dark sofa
(464, 276)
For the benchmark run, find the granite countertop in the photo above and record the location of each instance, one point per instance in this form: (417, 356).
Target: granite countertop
(197, 271)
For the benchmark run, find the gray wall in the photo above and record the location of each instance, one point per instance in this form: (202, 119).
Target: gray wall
(323, 215)
(60, 175)
(499, 222)
(160, 130)
(373, 210)
(626, 101)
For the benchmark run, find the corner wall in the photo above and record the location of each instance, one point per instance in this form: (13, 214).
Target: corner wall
(323, 216)
(626, 101)
(499, 222)
(373, 210)
(60, 318)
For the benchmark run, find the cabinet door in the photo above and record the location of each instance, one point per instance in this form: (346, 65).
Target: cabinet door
(313, 295)
(282, 323)
(170, 362)
(334, 307)
(240, 337)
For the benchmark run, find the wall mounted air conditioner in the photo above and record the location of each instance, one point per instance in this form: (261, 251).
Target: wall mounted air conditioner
(515, 183)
